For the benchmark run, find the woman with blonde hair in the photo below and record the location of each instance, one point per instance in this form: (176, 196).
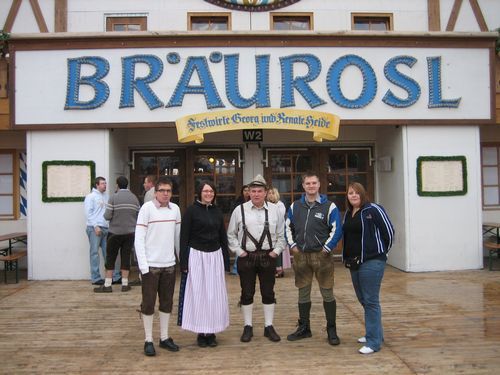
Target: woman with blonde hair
(283, 260)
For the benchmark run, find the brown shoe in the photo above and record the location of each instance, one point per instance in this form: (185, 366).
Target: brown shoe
(247, 334)
(271, 334)
(103, 289)
(126, 288)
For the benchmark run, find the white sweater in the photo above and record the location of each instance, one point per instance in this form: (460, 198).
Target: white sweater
(157, 235)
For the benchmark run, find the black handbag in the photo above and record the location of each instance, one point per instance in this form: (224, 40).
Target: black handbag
(352, 263)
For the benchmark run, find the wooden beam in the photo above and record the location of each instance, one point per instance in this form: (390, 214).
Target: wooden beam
(42, 26)
(454, 15)
(479, 15)
(9, 22)
(61, 16)
(434, 15)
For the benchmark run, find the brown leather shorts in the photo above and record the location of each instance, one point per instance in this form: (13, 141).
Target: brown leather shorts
(318, 264)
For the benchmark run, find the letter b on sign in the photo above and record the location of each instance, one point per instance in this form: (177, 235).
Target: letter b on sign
(253, 135)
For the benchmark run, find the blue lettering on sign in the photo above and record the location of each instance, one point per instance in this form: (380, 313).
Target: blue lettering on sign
(435, 94)
(369, 82)
(75, 80)
(130, 82)
(290, 82)
(207, 86)
(399, 79)
(261, 97)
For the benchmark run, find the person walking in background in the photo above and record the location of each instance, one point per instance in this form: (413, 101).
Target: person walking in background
(204, 256)
(149, 188)
(97, 228)
(244, 197)
(313, 229)
(121, 212)
(368, 236)
(255, 234)
(273, 196)
(157, 236)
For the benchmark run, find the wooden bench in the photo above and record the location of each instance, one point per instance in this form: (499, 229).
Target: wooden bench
(11, 262)
(492, 247)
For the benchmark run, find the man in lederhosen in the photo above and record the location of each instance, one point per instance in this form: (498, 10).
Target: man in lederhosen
(256, 235)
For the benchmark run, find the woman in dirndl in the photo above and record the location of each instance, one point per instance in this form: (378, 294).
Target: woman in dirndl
(203, 303)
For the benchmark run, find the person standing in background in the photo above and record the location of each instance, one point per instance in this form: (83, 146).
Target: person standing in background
(97, 228)
(273, 196)
(149, 188)
(121, 211)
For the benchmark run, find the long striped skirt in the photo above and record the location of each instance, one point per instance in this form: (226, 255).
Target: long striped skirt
(205, 307)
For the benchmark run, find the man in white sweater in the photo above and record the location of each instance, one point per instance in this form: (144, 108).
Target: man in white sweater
(156, 244)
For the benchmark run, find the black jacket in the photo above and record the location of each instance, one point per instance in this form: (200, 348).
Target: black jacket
(203, 229)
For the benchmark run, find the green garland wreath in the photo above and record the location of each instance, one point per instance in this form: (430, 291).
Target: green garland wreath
(46, 164)
(423, 193)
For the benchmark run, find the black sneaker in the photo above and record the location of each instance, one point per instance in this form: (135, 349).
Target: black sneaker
(103, 289)
(271, 334)
(211, 341)
(98, 282)
(169, 345)
(202, 340)
(149, 349)
(247, 334)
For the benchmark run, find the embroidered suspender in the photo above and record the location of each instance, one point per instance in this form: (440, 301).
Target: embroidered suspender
(265, 233)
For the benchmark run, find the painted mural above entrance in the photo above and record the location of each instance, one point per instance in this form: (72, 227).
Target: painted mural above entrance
(324, 126)
(253, 5)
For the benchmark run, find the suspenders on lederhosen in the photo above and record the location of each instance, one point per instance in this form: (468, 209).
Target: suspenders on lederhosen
(265, 233)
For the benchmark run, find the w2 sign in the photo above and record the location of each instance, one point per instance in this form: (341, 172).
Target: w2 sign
(253, 135)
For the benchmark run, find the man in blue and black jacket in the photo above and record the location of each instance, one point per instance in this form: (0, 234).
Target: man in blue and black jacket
(313, 229)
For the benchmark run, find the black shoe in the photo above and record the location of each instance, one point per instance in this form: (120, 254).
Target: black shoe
(333, 339)
(126, 288)
(202, 340)
(271, 334)
(149, 349)
(136, 282)
(211, 341)
(119, 281)
(303, 331)
(169, 345)
(99, 282)
(103, 289)
(247, 334)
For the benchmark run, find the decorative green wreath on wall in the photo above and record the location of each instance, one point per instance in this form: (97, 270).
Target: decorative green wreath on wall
(443, 193)
(45, 197)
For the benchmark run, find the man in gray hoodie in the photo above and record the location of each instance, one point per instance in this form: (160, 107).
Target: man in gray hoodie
(121, 211)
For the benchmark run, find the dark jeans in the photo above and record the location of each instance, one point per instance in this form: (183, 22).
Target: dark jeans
(257, 263)
(122, 243)
(159, 281)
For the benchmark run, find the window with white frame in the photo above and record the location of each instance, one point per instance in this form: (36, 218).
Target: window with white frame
(490, 170)
(8, 196)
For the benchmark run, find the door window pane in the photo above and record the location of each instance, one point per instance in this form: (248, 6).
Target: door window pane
(6, 205)
(6, 163)
(490, 175)
(491, 196)
(490, 156)
(6, 184)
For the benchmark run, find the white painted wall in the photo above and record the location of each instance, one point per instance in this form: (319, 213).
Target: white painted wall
(391, 190)
(443, 233)
(331, 15)
(58, 245)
